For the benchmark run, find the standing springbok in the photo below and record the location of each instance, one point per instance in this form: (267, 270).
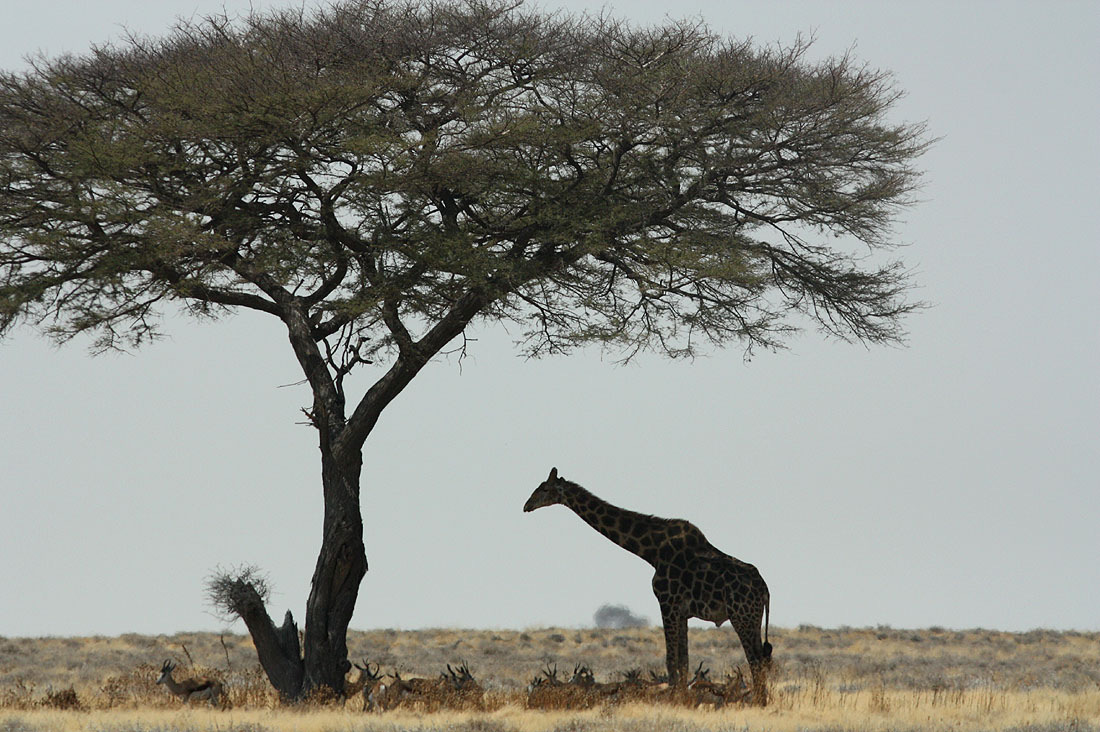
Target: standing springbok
(190, 689)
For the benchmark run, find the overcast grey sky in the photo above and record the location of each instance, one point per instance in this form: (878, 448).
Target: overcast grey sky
(954, 481)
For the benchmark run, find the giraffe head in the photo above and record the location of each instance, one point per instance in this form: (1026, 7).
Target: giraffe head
(549, 492)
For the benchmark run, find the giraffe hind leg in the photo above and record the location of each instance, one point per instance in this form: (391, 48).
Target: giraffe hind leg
(758, 655)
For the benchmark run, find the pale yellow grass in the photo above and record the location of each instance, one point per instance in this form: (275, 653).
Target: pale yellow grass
(824, 680)
(978, 710)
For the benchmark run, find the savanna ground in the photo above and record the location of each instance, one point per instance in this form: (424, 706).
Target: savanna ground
(822, 680)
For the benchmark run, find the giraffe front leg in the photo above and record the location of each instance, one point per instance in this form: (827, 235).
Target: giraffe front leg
(676, 646)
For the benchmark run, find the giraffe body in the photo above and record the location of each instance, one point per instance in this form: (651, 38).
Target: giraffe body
(691, 579)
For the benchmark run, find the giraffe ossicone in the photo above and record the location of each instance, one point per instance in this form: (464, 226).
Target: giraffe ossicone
(691, 579)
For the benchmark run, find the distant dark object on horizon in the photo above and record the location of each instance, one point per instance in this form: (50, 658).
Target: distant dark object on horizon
(618, 617)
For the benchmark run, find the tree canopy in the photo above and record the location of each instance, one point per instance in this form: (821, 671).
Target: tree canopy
(378, 175)
(382, 165)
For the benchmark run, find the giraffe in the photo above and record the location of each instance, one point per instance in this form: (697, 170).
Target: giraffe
(692, 579)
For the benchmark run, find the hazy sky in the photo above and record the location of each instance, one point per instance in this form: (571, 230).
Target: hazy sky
(954, 481)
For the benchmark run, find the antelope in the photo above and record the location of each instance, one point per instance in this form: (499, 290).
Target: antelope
(705, 691)
(633, 685)
(737, 689)
(388, 696)
(655, 687)
(455, 685)
(584, 678)
(464, 687)
(542, 683)
(548, 677)
(370, 684)
(366, 676)
(461, 680)
(581, 691)
(190, 689)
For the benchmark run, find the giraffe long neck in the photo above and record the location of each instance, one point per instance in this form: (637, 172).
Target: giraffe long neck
(638, 533)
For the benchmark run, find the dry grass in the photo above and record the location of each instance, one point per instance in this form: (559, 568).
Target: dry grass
(834, 680)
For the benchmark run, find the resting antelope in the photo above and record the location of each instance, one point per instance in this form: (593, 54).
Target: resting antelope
(400, 690)
(190, 689)
(369, 684)
(461, 681)
(366, 675)
(454, 686)
(585, 679)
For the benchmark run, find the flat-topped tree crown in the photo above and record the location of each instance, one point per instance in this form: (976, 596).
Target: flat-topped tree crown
(379, 166)
(378, 175)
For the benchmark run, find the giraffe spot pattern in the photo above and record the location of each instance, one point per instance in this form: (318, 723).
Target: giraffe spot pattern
(692, 578)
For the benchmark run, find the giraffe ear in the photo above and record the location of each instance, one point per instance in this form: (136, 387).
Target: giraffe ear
(553, 474)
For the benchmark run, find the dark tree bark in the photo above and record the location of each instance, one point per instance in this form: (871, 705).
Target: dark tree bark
(277, 647)
(341, 566)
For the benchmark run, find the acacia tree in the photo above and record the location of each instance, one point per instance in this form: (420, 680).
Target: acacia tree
(381, 175)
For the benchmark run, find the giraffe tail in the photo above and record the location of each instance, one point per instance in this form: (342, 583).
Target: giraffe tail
(767, 647)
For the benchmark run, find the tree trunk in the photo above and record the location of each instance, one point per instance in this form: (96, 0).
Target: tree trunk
(277, 648)
(342, 560)
(341, 566)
